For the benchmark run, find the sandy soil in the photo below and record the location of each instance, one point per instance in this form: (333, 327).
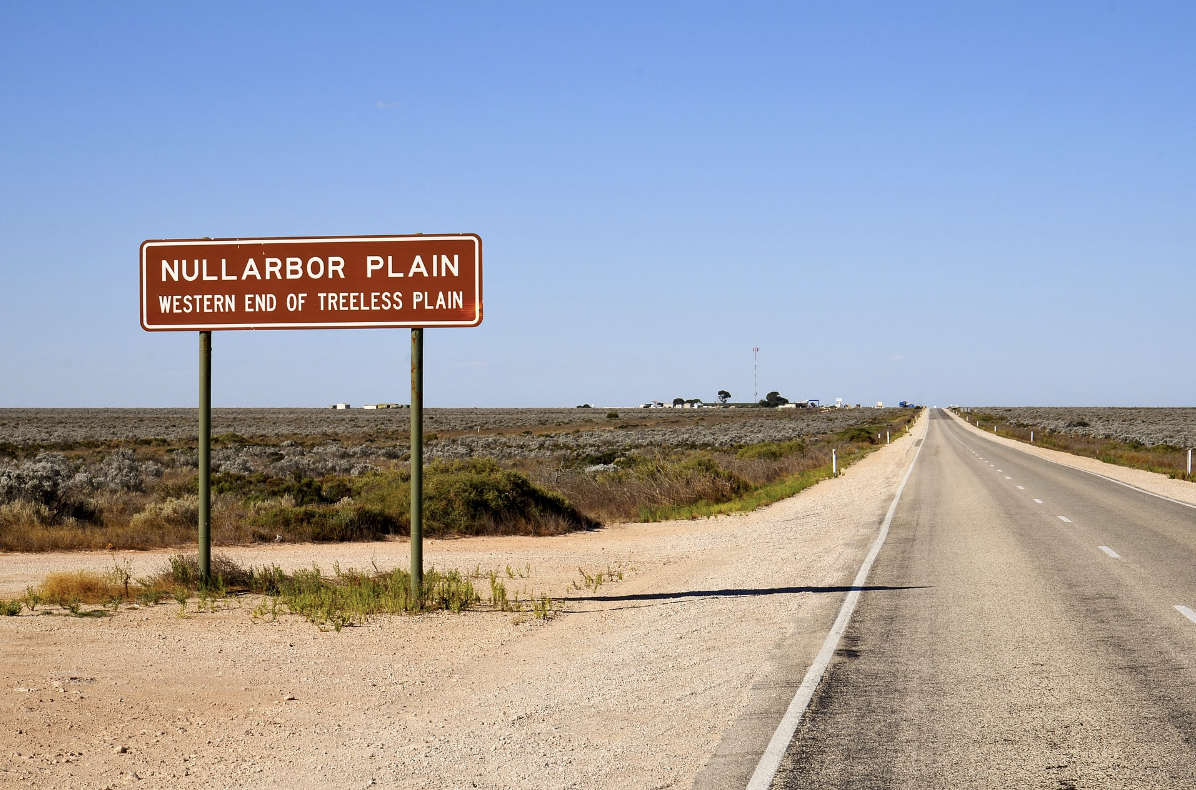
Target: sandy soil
(629, 687)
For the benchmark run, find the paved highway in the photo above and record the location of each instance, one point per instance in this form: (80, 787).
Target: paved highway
(1034, 629)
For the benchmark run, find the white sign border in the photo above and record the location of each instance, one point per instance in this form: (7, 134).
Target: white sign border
(477, 283)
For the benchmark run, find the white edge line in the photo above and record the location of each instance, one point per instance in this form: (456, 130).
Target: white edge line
(1065, 518)
(1110, 552)
(1039, 501)
(770, 761)
(1017, 446)
(1186, 612)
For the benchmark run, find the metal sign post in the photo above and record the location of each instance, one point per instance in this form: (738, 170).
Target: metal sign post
(417, 463)
(205, 456)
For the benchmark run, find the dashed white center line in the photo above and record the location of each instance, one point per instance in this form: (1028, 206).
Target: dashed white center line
(1065, 519)
(1039, 501)
(1110, 552)
(1186, 612)
(1023, 488)
(1007, 477)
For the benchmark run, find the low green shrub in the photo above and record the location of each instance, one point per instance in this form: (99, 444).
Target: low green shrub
(321, 524)
(471, 497)
(770, 451)
(302, 490)
(860, 434)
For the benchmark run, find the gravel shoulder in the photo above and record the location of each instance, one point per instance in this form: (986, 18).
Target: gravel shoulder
(632, 686)
(1153, 482)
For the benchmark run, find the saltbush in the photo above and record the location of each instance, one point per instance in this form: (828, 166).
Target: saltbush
(49, 481)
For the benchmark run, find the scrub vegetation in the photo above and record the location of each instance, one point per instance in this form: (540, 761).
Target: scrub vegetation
(1154, 439)
(127, 479)
(329, 600)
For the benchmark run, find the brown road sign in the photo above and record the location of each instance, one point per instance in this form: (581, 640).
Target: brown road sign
(311, 283)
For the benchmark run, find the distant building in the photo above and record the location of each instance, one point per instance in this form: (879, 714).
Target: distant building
(339, 406)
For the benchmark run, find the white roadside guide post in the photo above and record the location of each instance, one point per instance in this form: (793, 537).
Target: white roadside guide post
(834, 464)
(1189, 462)
(1031, 437)
(886, 437)
(370, 282)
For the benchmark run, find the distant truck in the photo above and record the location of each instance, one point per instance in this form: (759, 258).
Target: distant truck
(907, 405)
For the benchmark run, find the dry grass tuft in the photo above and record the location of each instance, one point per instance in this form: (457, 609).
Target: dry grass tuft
(81, 586)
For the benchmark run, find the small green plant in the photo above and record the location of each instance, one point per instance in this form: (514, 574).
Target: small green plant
(10, 608)
(31, 599)
(149, 597)
(181, 594)
(510, 573)
(262, 609)
(612, 415)
(113, 603)
(217, 587)
(591, 582)
(543, 608)
(74, 604)
(119, 575)
(498, 594)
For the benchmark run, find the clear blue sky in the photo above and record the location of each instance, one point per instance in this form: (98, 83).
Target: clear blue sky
(975, 203)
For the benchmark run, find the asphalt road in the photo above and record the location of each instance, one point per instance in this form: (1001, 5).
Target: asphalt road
(1028, 636)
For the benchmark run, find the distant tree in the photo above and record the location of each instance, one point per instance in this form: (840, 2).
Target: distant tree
(585, 406)
(678, 401)
(773, 399)
(723, 396)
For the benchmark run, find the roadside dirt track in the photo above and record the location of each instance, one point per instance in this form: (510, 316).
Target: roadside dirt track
(629, 687)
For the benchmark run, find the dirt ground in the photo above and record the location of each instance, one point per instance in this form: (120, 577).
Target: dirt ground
(632, 686)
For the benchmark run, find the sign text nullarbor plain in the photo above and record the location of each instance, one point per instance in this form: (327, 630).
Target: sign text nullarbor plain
(312, 283)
